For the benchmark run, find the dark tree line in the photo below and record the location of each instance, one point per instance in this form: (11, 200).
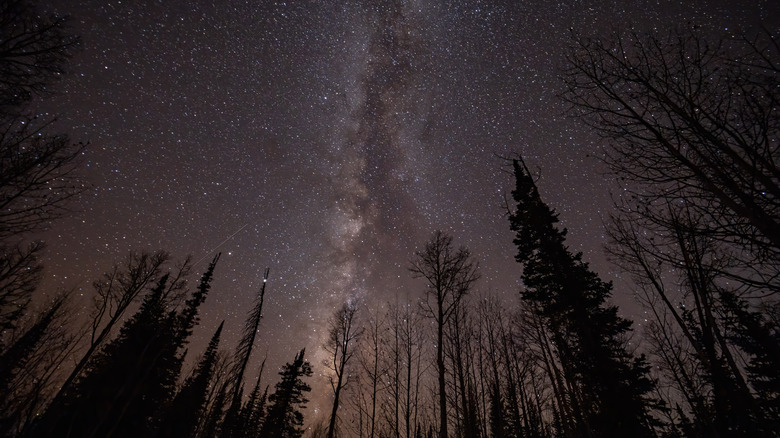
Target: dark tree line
(124, 383)
(690, 124)
(691, 130)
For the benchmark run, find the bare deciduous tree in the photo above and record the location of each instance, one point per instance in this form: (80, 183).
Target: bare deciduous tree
(450, 274)
(34, 50)
(693, 128)
(340, 347)
(696, 122)
(37, 170)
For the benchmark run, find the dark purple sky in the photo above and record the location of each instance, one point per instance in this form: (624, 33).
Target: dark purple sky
(327, 140)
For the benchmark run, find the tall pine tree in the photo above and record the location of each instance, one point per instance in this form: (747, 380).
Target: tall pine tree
(189, 404)
(231, 427)
(610, 386)
(284, 418)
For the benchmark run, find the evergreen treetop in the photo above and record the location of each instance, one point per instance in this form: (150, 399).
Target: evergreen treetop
(284, 418)
(588, 334)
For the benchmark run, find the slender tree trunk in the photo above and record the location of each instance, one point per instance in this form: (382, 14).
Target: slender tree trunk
(334, 411)
(375, 382)
(441, 369)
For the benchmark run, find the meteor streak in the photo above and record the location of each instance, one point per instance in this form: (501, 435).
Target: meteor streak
(220, 244)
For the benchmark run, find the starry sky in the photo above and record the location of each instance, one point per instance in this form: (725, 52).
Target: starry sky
(327, 140)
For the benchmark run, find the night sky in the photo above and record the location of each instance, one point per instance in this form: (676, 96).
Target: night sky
(327, 140)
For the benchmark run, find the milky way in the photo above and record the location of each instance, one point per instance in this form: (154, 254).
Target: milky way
(327, 141)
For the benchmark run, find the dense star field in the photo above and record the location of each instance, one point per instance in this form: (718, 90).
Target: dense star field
(327, 141)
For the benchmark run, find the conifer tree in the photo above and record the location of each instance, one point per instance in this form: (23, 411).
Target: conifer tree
(106, 394)
(498, 416)
(189, 404)
(17, 354)
(241, 361)
(284, 418)
(188, 318)
(128, 383)
(760, 338)
(611, 386)
(212, 425)
(14, 361)
(253, 412)
(250, 416)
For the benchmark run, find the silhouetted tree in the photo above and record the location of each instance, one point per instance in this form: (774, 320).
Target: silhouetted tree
(115, 292)
(692, 122)
(690, 332)
(691, 117)
(20, 274)
(371, 358)
(499, 427)
(449, 274)
(36, 169)
(759, 337)
(459, 337)
(610, 386)
(34, 51)
(189, 405)
(16, 363)
(17, 354)
(407, 328)
(284, 418)
(231, 426)
(129, 381)
(253, 411)
(117, 376)
(341, 335)
(212, 424)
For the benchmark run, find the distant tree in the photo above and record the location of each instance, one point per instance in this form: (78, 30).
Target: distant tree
(371, 378)
(490, 318)
(284, 418)
(409, 364)
(319, 430)
(459, 339)
(610, 387)
(342, 334)
(449, 274)
(189, 405)
(232, 426)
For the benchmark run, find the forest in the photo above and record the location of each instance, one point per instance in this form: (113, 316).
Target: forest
(691, 125)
